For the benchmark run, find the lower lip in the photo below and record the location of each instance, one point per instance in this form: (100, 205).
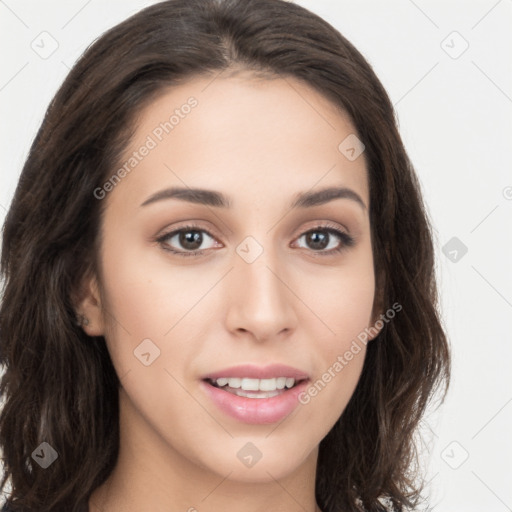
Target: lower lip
(256, 410)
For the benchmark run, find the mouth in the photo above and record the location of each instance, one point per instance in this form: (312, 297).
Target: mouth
(255, 388)
(254, 394)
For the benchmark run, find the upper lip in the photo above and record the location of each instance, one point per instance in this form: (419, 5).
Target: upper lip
(252, 371)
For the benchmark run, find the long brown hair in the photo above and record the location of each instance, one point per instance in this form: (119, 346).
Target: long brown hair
(60, 386)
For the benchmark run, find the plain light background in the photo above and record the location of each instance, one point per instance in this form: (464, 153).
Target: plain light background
(447, 68)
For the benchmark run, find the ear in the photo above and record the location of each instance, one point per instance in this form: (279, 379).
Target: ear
(88, 307)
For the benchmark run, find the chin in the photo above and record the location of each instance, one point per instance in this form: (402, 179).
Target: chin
(261, 460)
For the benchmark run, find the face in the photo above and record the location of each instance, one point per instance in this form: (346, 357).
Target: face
(221, 310)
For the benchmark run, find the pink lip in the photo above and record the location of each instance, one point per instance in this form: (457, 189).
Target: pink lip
(256, 410)
(258, 372)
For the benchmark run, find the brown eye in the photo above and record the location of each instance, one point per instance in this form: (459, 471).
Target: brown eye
(186, 241)
(190, 240)
(321, 238)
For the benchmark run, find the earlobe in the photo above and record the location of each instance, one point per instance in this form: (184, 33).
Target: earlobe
(89, 308)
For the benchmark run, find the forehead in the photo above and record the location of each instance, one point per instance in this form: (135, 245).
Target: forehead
(248, 137)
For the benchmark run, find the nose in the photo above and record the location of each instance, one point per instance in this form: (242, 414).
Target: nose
(261, 303)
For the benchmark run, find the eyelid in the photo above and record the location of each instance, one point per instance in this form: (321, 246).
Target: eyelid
(190, 225)
(319, 224)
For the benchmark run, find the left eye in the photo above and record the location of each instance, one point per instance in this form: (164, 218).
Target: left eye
(326, 240)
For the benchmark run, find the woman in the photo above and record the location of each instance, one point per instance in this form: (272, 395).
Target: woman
(219, 276)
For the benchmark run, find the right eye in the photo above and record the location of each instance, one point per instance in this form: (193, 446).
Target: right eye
(190, 238)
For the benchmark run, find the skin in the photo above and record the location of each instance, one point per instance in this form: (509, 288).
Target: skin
(260, 142)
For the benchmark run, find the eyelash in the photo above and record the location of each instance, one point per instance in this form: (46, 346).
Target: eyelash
(346, 240)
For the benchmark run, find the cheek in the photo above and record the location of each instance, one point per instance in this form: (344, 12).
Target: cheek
(146, 294)
(145, 315)
(344, 301)
(148, 298)
(344, 304)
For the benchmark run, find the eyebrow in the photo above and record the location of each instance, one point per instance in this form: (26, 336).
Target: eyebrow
(219, 200)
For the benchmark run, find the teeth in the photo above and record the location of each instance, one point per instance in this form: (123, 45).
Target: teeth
(281, 382)
(289, 383)
(234, 383)
(247, 384)
(267, 385)
(259, 394)
(250, 384)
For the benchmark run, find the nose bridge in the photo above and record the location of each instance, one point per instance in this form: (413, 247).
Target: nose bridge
(260, 300)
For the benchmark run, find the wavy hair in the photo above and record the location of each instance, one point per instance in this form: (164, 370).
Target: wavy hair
(60, 386)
